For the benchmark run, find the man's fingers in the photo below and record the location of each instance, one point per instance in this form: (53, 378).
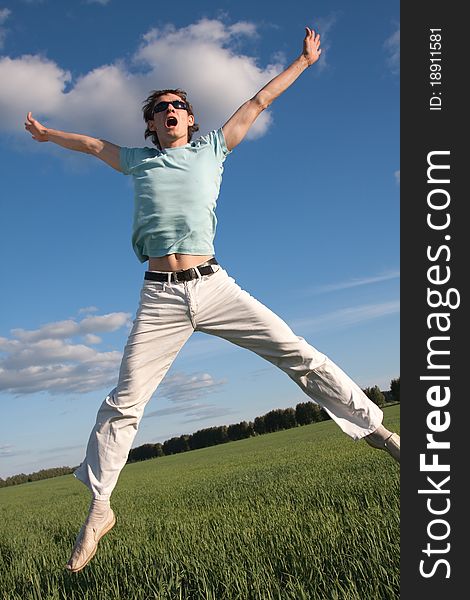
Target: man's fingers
(30, 125)
(309, 33)
(311, 36)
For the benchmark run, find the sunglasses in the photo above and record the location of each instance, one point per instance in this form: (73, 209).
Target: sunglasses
(161, 106)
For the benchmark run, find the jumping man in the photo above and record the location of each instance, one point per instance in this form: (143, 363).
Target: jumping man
(176, 185)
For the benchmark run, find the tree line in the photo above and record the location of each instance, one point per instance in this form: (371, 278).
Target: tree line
(278, 419)
(304, 413)
(43, 474)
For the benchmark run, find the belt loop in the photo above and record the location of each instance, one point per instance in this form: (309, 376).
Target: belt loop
(199, 276)
(169, 277)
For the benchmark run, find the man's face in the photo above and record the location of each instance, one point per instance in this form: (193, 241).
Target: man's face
(171, 124)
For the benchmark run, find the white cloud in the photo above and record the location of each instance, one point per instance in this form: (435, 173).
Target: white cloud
(208, 412)
(194, 411)
(392, 47)
(49, 359)
(6, 450)
(58, 358)
(4, 14)
(70, 328)
(181, 387)
(91, 338)
(346, 317)
(201, 58)
(33, 82)
(58, 368)
(87, 309)
(46, 352)
(397, 177)
(323, 26)
(103, 323)
(355, 282)
(183, 390)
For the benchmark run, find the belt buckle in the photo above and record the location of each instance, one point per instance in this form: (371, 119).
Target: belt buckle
(186, 275)
(183, 275)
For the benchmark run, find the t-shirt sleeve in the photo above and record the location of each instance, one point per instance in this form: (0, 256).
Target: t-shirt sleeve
(217, 139)
(129, 158)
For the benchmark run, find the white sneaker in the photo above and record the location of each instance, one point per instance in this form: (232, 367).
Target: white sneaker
(391, 444)
(87, 542)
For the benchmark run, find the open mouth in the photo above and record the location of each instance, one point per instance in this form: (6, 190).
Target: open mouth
(171, 122)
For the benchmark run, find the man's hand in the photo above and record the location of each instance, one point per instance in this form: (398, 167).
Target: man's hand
(240, 122)
(36, 129)
(311, 50)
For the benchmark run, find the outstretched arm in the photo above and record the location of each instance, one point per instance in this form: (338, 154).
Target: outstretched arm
(106, 151)
(240, 122)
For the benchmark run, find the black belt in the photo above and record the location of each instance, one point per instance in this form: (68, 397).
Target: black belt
(186, 275)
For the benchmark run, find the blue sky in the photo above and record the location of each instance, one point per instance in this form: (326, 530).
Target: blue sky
(308, 211)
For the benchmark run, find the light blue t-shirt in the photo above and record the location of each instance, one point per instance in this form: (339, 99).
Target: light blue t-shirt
(175, 196)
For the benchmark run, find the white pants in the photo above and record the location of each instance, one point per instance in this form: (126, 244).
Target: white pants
(167, 315)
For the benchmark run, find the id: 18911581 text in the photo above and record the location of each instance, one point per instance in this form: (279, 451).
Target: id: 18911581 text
(435, 68)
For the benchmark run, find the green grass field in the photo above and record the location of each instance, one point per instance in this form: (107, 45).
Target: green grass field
(300, 514)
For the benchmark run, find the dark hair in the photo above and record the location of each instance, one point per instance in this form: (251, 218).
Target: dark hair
(149, 105)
